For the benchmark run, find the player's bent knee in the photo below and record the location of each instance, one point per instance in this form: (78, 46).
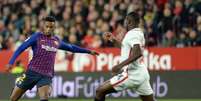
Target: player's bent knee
(45, 96)
(100, 91)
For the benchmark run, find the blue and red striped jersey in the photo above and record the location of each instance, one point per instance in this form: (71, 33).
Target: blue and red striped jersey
(44, 51)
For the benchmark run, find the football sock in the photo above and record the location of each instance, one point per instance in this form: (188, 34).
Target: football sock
(102, 99)
(44, 100)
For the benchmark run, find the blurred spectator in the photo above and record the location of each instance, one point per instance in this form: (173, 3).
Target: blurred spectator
(12, 31)
(199, 25)
(189, 17)
(182, 41)
(177, 11)
(9, 44)
(3, 30)
(88, 39)
(152, 37)
(22, 38)
(194, 39)
(169, 39)
(73, 39)
(84, 21)
(105, 27)
(166, 22)
(96, 42)
(1, 42)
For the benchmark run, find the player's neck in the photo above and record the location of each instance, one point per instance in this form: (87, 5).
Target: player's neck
(132, 27)
(48, 35)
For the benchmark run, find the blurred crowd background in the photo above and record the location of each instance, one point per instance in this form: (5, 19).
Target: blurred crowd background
(166, 23)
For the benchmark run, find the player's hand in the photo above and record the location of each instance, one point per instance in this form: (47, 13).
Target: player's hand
(108, 36)
(8, 68)
(94, 53)
(115, 70)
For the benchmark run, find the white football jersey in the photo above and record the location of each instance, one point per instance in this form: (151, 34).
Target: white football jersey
(135, 76)
(132, 37)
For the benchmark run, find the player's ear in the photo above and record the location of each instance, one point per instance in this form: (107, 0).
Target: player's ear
(130, 22)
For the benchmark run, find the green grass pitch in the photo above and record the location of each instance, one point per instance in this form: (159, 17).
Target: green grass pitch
(110, 100)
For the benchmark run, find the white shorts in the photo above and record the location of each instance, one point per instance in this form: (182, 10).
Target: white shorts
(137, 80)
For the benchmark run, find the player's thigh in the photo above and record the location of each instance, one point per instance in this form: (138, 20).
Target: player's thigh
(17, 93)
(44, 87)
(27, 80)
(44, 91)
(144, 89)
(121, 82)
(105, 88)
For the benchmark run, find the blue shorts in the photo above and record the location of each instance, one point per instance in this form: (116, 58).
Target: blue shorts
(30, 78)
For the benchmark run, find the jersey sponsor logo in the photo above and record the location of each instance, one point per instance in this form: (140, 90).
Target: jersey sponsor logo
(42, 41)
(56, 43)
(48, 48)
(155, 61)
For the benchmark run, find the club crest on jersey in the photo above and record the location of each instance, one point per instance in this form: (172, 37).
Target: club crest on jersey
(48, 48)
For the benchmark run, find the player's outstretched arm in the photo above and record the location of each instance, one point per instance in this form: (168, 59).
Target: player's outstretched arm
(75, 49)
(28, 42)
(135, 54)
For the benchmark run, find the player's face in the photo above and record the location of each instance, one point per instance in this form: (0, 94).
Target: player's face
(126, 23)
(49, 27)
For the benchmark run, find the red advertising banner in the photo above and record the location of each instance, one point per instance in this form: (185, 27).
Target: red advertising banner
(156, 59)
(6, 55)
(174, 58)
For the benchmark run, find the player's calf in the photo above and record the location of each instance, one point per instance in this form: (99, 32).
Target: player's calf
(16, 94)
(147, 97)
(44, 100)
(13, 98)
(100, 94)
(44, 92)
(100, 91)
(103, 90)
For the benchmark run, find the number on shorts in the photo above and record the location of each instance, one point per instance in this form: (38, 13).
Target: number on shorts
(20, 79)
(119, 76)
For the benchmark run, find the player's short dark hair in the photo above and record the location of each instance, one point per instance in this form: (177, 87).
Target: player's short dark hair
(134, 17)
(49, 18)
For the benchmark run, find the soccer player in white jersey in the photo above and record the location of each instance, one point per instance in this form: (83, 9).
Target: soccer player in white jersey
(131, 73)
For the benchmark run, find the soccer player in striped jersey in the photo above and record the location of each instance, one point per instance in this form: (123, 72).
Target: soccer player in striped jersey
(41, 68)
